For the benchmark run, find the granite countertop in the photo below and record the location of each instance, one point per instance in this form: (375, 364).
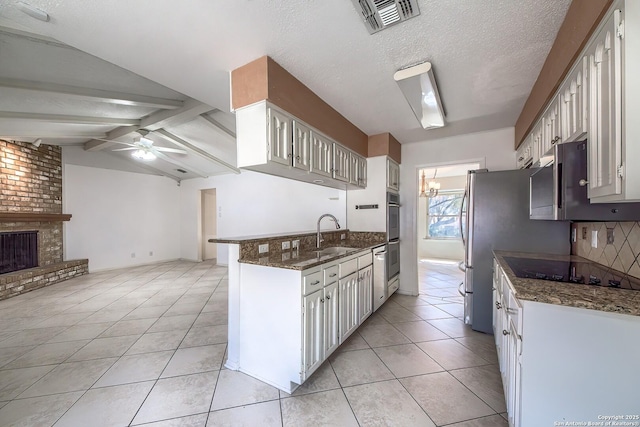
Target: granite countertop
(260, 237)
(612, 300)
(303, 259)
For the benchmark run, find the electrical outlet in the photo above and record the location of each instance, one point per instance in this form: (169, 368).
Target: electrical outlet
(296, 244)
(610, 236)
(263, 248)
(594, 238)
(286, 245)
(343, 236)
(584, 233)
(574, 232)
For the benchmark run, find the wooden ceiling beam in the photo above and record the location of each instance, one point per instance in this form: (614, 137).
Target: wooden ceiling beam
(98, 95)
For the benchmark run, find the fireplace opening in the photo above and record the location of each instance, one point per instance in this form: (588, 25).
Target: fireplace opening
(18, 251)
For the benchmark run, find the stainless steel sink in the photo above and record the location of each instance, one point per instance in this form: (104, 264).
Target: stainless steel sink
(334, 250)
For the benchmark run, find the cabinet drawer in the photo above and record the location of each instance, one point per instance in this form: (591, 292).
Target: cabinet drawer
(365, 260)
(312, 282)
(330, 274)
(347, 267)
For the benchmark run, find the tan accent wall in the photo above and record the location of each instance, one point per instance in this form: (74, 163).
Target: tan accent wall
(583, 16)
(384, 144)
(249, 83)
(266, 79)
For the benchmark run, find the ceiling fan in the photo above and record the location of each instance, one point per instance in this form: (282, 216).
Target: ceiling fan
(143, 147)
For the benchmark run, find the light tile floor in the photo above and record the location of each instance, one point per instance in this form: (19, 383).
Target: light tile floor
(145, 346)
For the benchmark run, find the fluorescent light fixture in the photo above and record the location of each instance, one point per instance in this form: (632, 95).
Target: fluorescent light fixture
(418, 84)
(143, 155)
(33, 11)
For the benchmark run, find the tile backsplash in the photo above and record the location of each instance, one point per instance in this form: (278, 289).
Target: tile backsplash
(622, 254)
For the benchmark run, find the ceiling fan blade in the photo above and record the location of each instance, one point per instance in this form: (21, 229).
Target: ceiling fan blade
(170, 150)
(126, 149)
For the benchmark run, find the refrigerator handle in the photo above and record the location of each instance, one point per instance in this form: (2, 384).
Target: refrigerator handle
(464, 243)
(462, 267)
(460, 289)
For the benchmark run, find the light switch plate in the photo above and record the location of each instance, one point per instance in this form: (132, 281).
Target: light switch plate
(343, 236)
(594, 238)
(574, 232)
(296, 244)
(286, 245)
(263, 248)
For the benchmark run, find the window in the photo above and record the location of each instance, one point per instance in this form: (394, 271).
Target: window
(443, 215)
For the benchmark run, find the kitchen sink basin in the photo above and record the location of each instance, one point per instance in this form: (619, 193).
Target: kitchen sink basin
(334, 250)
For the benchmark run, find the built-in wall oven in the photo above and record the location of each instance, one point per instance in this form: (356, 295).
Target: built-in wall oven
(393, 259)
(393, 235)
(393, 216)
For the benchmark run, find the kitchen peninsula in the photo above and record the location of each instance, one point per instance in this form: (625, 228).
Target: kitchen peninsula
(292, 304)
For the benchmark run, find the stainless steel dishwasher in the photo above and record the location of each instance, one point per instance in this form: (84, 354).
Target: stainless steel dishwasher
(379, 276)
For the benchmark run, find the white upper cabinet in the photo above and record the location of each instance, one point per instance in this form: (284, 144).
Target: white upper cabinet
(605, 125)
(552, 122)
(272, 141)
(279, 137)
(574, 97)
(536, 141)
(393, 175)
(321, 155)
(524, 154)
(340, 163)
(357, 170)
(597, 101)
(301, 146)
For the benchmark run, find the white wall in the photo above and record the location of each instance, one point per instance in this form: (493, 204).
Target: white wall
(253, 203)
(115, 214)
(451, 249)
(209, 224)
(493, 149)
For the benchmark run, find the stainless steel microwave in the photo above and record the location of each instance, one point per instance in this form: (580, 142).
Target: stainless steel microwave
(559, 190)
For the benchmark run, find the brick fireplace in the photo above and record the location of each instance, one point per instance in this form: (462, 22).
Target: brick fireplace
(31, 200)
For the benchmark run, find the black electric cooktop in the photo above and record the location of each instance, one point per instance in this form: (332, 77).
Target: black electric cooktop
(587, 273)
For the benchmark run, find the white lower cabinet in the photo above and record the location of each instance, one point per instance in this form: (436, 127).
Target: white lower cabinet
(313, 330)
(292, 320)
(331, 319)
(564, 364)
(365, 289)
(348, 305)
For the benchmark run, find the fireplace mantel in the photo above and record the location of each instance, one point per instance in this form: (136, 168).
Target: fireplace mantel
(32, 217)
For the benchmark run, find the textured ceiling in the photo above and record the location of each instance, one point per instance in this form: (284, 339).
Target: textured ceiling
(486, 53)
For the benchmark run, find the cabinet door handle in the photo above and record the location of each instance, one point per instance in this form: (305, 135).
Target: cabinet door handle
(315, 283)
(328, 297)
(498, 305)
(520, 159)
(333, 275)
(322, 300)
(505, 332)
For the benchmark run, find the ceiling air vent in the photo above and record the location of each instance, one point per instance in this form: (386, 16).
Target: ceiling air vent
(380, 14)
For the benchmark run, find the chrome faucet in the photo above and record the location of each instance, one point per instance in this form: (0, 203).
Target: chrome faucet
(319, 238)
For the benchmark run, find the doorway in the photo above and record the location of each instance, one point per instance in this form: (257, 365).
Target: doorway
(441, 191)
(209, 224)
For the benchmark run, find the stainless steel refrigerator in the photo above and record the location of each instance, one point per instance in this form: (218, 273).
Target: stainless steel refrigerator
(496, 206)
